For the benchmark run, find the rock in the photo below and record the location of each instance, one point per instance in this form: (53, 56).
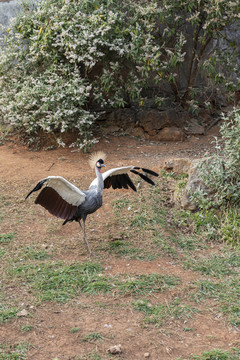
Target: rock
(124, 118)
(115, 349)
(147, 355)
(22, 313)
(194, 183)
(179, 166)
(164, 125)
(170, 134)
(137, 131)
(168, 350)
(111, 129)
(194, 127)
(152, 121)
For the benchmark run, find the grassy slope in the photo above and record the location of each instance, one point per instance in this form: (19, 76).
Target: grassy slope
(143, 228)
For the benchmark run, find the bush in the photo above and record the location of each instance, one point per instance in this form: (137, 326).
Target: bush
(62, 57)
(221, 175)
(64, 61)
(221, 172)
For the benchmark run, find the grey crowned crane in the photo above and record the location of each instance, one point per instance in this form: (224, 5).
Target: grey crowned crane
(64, 200)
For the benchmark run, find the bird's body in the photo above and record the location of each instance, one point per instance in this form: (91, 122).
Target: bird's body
(64, 200)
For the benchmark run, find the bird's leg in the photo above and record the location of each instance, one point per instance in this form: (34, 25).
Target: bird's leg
(85, 237)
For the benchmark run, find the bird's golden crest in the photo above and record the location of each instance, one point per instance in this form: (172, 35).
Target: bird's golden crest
(94, 157)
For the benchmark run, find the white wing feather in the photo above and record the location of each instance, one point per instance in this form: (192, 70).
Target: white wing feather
(66, 190)
(111, 172)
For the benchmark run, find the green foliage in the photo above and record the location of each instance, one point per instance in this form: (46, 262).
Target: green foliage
(62, 57)
(64, 61)
(31, 252)
(187, 29)
(230, 228)
(221, 174)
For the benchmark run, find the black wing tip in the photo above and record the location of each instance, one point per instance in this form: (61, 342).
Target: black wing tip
(144, 177)
(36, 188)
(28, 194)
(151, 172)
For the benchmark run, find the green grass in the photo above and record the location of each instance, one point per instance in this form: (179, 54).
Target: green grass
(74, 330)
(120, 204)
(230, 228)
(226, 293)
(60, 282)
(95, 336)
(7, 313)
(2, 253)
(125, 248)
(216, 265)
(27, 328)
(142, 284)
(6, 238)
(217, 354)
(145, 227)
(32, 253)
(13, 352)
(157, 314)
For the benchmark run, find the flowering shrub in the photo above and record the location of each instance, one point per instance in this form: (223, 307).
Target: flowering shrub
(65, 60)
(63, 56)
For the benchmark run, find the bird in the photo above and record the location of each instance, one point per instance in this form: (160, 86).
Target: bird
(66, 201)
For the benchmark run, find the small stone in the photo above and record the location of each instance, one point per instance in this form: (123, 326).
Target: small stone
(115, 349)
(169, 350)
(147, 355)
(108, 325)
(23, 312)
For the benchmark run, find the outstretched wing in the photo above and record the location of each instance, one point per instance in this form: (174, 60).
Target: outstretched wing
(119, 178)
(59, 196)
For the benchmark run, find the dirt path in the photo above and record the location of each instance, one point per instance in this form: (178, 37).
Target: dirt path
(16, 161)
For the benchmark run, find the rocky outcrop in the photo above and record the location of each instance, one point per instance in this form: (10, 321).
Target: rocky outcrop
(151, 124)
(195, 182)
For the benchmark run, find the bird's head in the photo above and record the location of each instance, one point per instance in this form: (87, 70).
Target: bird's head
(100, 164)
(97, 159)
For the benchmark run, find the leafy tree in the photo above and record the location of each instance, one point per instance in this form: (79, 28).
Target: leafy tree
(191, 33)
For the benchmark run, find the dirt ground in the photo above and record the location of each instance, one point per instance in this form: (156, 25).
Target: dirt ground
(108, 315)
